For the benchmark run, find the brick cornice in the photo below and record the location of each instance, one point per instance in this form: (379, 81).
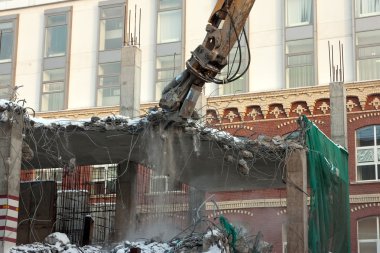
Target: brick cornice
(288, 102)
(256, 203)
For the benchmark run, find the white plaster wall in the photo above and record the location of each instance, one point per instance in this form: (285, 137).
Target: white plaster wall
(29, 55)
(334, 23)
(266, 24)
(83, 53)
(266, 43)
(82, 91)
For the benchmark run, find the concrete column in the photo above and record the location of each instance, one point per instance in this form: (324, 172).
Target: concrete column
(338, 113)
(10, 168)
(130, 81)
(126, 200)
(296, 187)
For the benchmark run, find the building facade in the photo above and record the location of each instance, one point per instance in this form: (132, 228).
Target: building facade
(67, 56)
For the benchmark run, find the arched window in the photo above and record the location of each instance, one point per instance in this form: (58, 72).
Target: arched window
(369, 235)
(368, 153)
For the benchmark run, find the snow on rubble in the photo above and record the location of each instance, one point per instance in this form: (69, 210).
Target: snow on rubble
(221, 238)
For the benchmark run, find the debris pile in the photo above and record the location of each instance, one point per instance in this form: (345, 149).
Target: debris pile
(221, 238)
(54, 243)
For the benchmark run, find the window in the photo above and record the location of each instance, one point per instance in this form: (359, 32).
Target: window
(168, 67)
(53, 88)
(56, 35)
(6, 41)
(366, 8)
(163, 184)
(299, 12)
(368, 55)
(369, 235)
(299, 63)
(368, 153)
(169, 21)
(109, 83)
(111, 27)
(7, 55)
(103, 179)
(55, 59)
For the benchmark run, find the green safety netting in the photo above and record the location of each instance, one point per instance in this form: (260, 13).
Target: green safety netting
(329, 214)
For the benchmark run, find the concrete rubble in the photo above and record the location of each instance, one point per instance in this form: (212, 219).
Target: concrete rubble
(214, 240)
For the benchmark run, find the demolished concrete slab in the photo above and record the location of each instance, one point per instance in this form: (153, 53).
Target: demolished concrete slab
(206, 158)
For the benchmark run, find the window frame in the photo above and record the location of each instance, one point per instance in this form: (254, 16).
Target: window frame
(311, 22)
(377, 241)
(376, 149)
(106, 56)
(290, 66)
(357, 10)
(358, 58)
(101, 8)
(105, 180)
(57, 61)
(14, 19)
(171, 9)
(47, 26)
(100, 87)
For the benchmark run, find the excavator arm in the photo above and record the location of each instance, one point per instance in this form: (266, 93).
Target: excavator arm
(226, 22)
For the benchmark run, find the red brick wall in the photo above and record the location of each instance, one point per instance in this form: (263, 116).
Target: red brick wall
(266, 219)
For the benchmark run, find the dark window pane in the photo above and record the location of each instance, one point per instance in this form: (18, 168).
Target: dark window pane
(378, 135)
(111, 172)
(56, 41)
(368, 247)
(98, 188)
(111, 187)
(367, 228)
(364, 137)
(6, 46)
(366, 172)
